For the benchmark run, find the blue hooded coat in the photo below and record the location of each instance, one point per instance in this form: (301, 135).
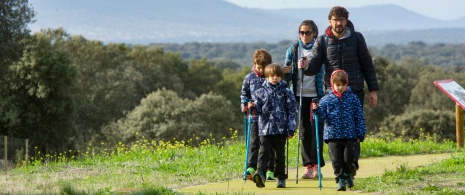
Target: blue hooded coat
(277, 109)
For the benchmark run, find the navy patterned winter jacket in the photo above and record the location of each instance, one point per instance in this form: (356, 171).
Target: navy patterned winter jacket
(251, 84)
(343, 117)
(277, 109)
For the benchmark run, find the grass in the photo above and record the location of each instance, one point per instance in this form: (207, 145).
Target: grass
(150, 167)
(445, 177)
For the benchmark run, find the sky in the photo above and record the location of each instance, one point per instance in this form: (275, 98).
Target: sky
(438, 9)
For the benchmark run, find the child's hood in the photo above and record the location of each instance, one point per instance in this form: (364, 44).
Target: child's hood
(332, 85)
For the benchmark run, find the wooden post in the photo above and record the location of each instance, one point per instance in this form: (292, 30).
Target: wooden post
(5, 149)
(27, 151)
(459, 125)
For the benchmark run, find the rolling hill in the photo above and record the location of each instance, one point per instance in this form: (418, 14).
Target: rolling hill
(180, 21)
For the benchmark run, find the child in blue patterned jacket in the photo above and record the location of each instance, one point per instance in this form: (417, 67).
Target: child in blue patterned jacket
(252, 82)
(276, 108)
(344, 125)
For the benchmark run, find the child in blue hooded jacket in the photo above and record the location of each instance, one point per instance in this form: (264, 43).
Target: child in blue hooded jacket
(252, 82)
(344, 120)
(276, 108)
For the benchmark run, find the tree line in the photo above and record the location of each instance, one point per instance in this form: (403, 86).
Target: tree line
(64, 92)
(447, 56)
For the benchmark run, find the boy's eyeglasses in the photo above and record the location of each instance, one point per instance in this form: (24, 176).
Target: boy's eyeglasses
(305, 32)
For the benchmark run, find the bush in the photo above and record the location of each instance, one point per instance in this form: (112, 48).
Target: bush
(163, 115)
(411, 124)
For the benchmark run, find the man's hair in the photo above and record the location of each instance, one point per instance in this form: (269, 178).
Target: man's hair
(339, 77)
(262, 57)
(273, 69)
(338, 11)
(312, 25)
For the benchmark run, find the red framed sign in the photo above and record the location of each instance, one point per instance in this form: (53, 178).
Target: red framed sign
(453, 90)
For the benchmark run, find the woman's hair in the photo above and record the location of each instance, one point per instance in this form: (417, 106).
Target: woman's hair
(338, 11)
(273, 69)
(311, 24)
(262, 57)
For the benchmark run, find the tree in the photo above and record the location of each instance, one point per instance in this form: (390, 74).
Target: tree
(15, 15)
(202, 77)
(40, 91)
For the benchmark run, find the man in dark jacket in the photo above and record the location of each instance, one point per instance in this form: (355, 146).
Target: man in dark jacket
(341, 47)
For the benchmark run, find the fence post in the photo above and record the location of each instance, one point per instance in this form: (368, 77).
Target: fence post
(27, 151)
(5, 149)
(459, 125)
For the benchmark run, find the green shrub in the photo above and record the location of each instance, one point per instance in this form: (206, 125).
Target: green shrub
(163, 115)
(412, 124)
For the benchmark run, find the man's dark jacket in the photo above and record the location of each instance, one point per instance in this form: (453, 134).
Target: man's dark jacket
(349, 54)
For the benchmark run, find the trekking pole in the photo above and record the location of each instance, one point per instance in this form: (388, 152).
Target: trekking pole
(301, 72)
(287, 157)
(315, 116)
(249, 124)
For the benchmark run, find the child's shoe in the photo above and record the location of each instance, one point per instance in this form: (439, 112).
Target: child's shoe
(308, 172)
(250, 172)
(259, 179)
(281, 183)
(270, 175)
(350, 183)
(315, 172)
(341, 185)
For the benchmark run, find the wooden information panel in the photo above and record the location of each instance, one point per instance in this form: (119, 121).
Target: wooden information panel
(453, 90)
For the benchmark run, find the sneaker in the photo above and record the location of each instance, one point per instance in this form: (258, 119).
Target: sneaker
(341, 185)
(350, 183)
(281, 183)
(259, 179)
(250, 172)
(315, 172)
(308, 172)
(270, 175)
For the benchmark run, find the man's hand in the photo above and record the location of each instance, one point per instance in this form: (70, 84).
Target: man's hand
(287, 69)
(373, 99)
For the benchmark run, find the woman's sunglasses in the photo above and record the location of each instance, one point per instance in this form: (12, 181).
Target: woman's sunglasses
(305, 32)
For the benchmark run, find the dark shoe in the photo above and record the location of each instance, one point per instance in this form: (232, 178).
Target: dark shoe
(259, 179)
(281, 183)
(341, 185)
(350, 183)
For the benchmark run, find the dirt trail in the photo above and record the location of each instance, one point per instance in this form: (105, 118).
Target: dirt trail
(368, 167)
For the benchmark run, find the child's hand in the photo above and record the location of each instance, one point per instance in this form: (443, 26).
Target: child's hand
(251, 105)
(314, 106)
(289, 136)
(244, 108)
